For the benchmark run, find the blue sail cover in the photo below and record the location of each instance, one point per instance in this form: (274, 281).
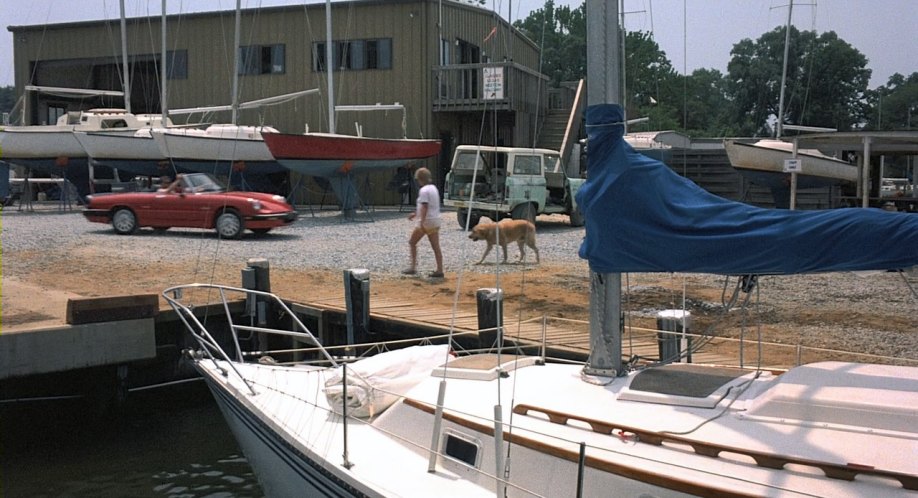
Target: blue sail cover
(643, 217)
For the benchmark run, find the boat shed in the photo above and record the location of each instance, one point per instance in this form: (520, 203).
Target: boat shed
(454, 67)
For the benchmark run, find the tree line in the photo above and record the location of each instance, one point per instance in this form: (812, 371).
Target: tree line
(827, 81)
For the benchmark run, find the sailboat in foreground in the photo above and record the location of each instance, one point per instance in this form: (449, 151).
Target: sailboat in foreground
(422, 421)
(427, 421)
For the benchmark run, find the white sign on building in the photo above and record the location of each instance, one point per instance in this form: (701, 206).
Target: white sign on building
(793, 165)
(493, 83)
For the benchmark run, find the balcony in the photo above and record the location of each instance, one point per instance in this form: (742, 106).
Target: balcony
(505, 86)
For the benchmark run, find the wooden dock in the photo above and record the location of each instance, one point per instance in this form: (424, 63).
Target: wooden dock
(562, 337)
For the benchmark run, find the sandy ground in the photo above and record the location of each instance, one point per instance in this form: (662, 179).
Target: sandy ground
(873, 314)
(849, 323)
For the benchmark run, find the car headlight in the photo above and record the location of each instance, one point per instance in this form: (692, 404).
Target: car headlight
(256, 204)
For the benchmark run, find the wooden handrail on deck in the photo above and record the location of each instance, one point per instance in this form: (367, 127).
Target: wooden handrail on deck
(769, 460)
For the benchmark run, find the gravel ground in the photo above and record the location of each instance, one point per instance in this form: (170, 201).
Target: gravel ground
(63, 251)
(375, 240)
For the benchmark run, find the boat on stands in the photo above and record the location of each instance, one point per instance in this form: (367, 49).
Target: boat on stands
(426, 420)
(133, 151)
(337, 158)
(762, 162)
(329, 155)
(55, 149)
(658, 145)
(219, 148)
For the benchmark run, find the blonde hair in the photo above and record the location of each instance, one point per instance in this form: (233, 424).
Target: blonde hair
(422, 175)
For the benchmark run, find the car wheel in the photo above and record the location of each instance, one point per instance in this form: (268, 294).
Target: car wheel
(261, 231)
(229, 225)
(524, 212)
(124, 222)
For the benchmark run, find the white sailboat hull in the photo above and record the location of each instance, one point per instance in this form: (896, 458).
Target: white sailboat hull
(38, 142)
(295, 442)
(131, 151)
(216, 143)
(127, 145)
(763, 162)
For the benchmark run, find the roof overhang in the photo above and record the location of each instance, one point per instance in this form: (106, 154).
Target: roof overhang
(877, 142)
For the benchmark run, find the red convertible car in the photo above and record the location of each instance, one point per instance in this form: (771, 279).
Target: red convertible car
(194, 200)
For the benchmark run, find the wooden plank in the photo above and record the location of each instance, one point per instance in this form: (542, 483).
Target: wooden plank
(111, 308)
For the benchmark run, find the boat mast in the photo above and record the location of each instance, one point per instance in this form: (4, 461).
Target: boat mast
(780, 129)
(603, 53)
(124, 62)
(329, 65)
(164, 108)
(236, 61)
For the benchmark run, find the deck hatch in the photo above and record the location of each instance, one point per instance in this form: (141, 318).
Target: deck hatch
(484, 366)
(683, 384)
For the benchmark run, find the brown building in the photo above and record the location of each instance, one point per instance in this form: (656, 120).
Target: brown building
(431, 56)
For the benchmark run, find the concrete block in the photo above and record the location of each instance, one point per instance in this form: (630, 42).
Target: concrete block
(70, 347)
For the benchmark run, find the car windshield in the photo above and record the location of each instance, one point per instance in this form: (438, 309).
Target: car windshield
(202, 182)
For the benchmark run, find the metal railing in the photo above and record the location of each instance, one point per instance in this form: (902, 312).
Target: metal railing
(210, 346)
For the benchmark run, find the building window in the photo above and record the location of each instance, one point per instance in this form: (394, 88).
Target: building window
(261, 59)
(445, 50)
(355, 55)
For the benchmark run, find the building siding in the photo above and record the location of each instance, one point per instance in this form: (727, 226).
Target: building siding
(60, 53)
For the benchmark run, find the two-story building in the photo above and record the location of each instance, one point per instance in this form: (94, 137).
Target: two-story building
(462, 73)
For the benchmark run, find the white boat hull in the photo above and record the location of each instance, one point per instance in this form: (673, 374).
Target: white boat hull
(763, 163)
(134, 152)
(282, 471)
(305, 457)
(295, 442)
(38, 142)
(243, 143)
(128, 145)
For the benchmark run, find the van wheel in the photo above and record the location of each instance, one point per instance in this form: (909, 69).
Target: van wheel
(524, 212)
(576, 217)
(473, 221)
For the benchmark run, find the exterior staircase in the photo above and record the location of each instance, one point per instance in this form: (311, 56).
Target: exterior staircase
(563, 121)
(551, 136)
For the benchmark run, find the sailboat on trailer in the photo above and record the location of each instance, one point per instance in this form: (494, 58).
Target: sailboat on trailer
(425, 421)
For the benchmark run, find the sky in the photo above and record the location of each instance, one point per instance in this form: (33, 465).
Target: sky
(693, 33)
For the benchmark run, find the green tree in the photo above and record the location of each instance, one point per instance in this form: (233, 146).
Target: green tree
(895, 105)
(560, 32)
(650, 83)
(707, 104)
(826, 81)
